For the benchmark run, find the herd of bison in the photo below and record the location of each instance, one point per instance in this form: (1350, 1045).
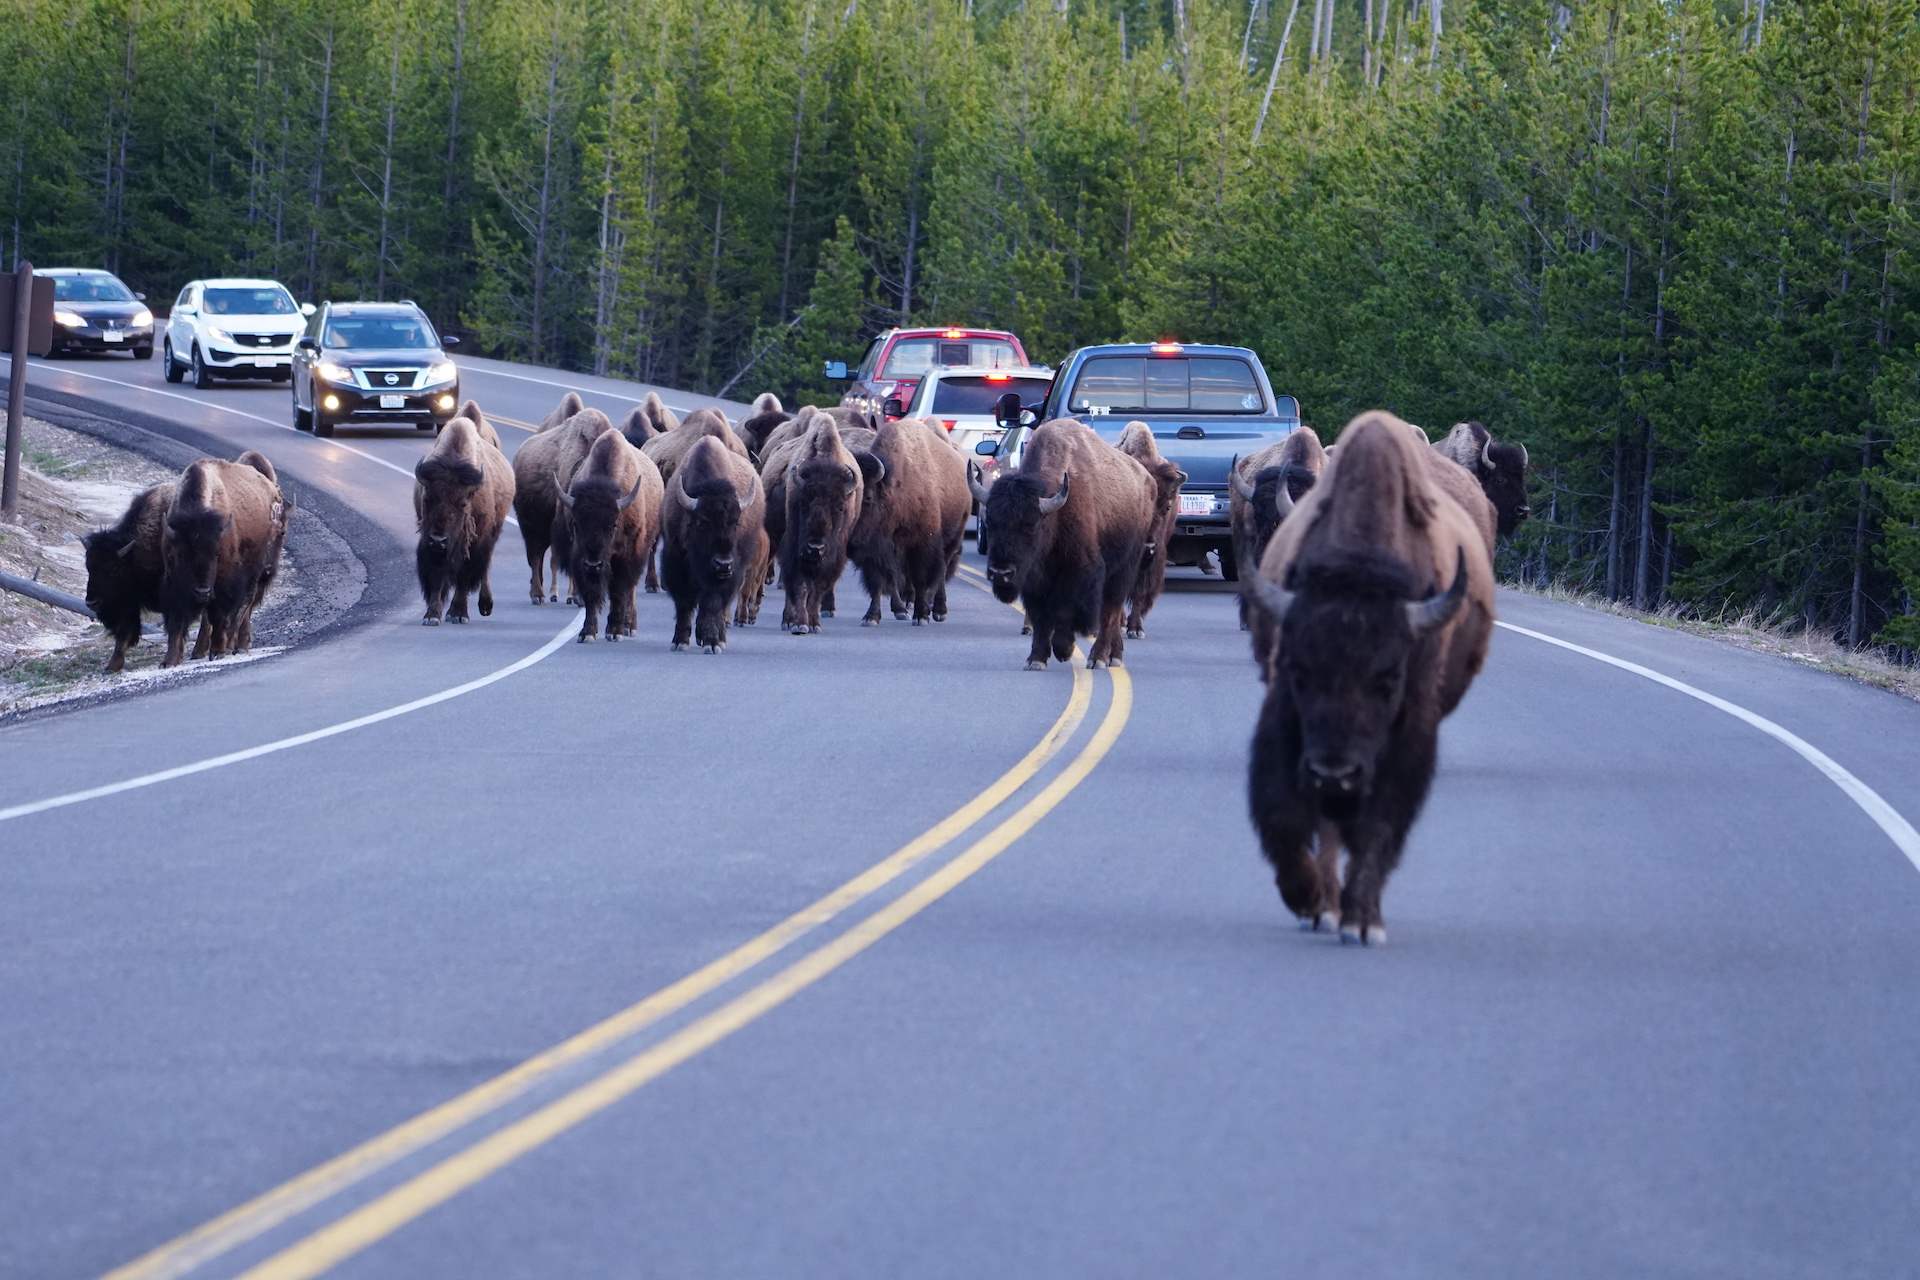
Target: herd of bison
(1370, 608)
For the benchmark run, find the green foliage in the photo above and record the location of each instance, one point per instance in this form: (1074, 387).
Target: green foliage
(1671, 251)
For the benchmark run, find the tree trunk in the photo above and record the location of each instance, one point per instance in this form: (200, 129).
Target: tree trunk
(1246, 39)
(544, 218)
(607, 285)
(1273, 76)
(386, 174)
(317, 189)
(1643, 565)
(1433, 50)
(1313, 40)
(1616, 513)
(450, 184)
(793, 160)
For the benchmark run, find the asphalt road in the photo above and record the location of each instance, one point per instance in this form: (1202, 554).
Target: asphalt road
(895, 959)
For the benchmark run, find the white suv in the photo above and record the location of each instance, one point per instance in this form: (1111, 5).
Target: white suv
(961, 399)
(233, 329)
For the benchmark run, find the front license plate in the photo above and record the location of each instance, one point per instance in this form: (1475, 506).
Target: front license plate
(263, 364)
(1196, 504)
(393, 402)
(111, 335)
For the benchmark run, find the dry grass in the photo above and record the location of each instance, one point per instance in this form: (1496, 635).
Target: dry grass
(1748, 630)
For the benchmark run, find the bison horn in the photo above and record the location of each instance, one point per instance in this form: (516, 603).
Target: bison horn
(1050, 505)
(1437, 610)
(687, 500)
(1523, 457)
(1282, 498)
(566, 499)
(871, 466)
(1270, 597)
(1486, 454)
(1241, 489)
(632, 493)
(127, 550)
(973, 483)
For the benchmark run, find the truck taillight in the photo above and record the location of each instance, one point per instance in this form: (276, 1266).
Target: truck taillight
(949, 423)
(1166, 348)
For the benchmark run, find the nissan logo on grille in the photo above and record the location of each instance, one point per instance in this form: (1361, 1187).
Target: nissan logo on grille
(392, 378)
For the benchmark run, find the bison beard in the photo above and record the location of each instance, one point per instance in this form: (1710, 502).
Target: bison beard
(1377, 596)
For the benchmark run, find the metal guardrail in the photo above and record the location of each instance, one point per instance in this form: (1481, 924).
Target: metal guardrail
(45, 594)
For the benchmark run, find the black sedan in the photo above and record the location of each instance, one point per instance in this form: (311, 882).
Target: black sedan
(94, 312)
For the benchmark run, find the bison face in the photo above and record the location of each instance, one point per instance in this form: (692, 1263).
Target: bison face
(110, 571)
(1503, 476)
(1275, 490)
(821, 496)
(1018, 507)
(446, 506)
(712, 530)
(192, 550)
(593, 508)
(1347, 636)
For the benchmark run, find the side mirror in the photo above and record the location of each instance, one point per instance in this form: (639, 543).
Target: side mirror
(836, 371)
(139, 297)
(307, 343)
(448, 340)
(307, 309)
(184, 311)
(1006, 410)
(987, 448)
(893, 408)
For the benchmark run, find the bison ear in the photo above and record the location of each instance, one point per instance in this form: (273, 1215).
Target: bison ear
(871, 467)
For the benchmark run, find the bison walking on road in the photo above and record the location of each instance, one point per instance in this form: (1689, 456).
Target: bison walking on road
(1379, 595)
(1136, 441)
(1262, 490)
(282, 513)
(471, 411)
(913, 519)
(1070, 529)
(125, 567)
(1500, 468)
(569, 405)
(608, 525)
(462, 491)
(543, 466)
(225, 520)
(823, 490)
(766, 417)
(714, 535)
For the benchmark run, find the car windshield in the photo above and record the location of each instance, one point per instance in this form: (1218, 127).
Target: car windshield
(976, 395)
(1162, 384)
(253, 300)
(90, 289)
(912, 357)
(381, 333)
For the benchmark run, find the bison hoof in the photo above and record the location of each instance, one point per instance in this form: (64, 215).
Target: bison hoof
(919, 622)
(429, 621)
(1036, 664)
(826, 613)
(653, 591)
(1375, 936)
(715, 649)
(814, 629)
(869, 622)
(1135, 633)
(939, 617)
(539, 599)
(585, 638)
(680, 646)
(456, 617)
(1325, 922)
(799, 629)
(899, 615)
(1026, 628)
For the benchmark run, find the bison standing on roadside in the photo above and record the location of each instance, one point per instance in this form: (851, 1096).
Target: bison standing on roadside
(225, 519)
(1070, 528)
(543, 467)
(1500, 468)
(913, 519)
(462, 491)
(823, 490)
(1136, 441)
(1262, 489)
(714, 532)
(124, 569)
(1378, 592)
(282, 513)
(609, 523)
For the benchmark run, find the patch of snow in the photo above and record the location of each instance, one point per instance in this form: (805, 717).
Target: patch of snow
(102, 499)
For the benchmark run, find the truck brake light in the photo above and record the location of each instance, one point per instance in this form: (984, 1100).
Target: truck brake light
(1166, 348)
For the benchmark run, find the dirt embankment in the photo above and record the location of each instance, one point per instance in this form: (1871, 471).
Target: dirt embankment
(72, 483)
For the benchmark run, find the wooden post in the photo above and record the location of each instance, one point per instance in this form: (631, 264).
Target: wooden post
(17, 384)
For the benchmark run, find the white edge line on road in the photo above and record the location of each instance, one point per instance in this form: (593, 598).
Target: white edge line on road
(565, 634)
(568, 386)
(238, 413)
(1884, 815)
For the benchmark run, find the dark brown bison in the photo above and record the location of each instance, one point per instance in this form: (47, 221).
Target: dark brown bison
(1136, 441)
(1379, 592)
(913, 519)
(543, 467)
(124, 569)
(224, 521)
(823, 489)
(1070, 529)
(714, 533)
(1500, 468)
(763, 420)
(1263, 488)
(462, 491)
(1453, 480)
(570, 404)
(609, 522)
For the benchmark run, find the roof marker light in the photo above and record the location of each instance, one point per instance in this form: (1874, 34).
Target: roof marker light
(999, 377)
(954, 333)
(1166, 348)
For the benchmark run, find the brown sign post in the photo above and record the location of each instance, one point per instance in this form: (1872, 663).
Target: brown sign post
(26, 329)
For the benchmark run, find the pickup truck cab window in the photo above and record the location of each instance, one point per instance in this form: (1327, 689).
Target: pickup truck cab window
(1164, 384)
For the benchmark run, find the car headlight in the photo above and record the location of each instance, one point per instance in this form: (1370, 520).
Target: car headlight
(219, 335)
(442, 371)
(333, 372)
(142, 316)
(71, 319)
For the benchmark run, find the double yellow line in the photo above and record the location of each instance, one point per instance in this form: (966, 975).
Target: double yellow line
(349, 1235)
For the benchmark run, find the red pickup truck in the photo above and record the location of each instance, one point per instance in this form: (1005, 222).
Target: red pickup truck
(899, 358)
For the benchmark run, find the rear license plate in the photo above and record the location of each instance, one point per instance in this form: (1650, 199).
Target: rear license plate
(1196, 504)
(263, 364)
(110, 335)
(393, 402)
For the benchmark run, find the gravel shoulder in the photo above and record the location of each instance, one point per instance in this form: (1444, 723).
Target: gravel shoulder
(78, 472)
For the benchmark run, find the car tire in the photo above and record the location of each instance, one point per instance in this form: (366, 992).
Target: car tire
(321, 427)
(202, 376)
(143, 353)
(302, 419)
(169, 367)
(283, 375)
